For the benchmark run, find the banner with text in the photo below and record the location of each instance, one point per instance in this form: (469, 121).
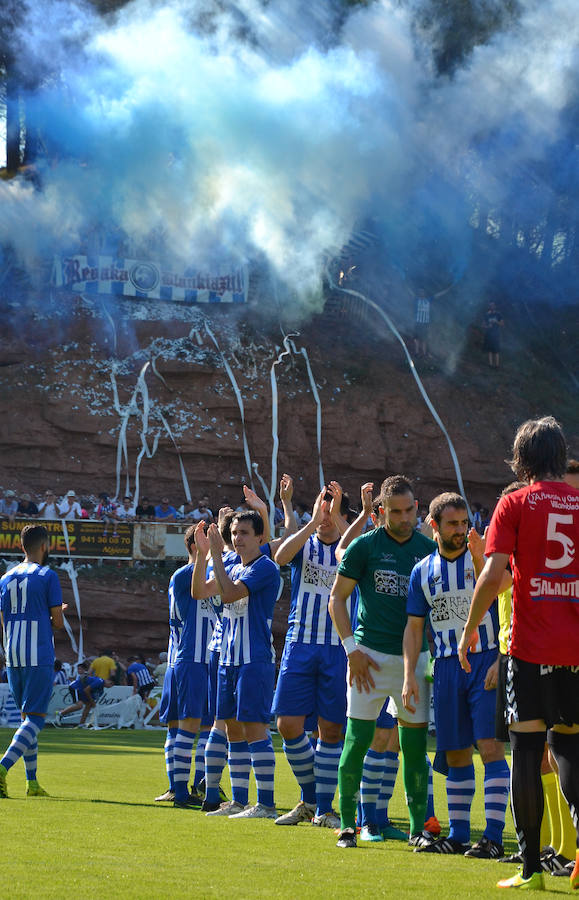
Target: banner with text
(150, 280)
(87, 539)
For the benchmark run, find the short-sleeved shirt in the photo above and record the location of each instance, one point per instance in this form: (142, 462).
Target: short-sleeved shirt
(442, 589)
(102, 667)
(191, 621)
(313, 571)
(539, 526)
(382, 567)
(247, 622)
(27, 594)
(141, 673)
(84, 681)
(161, 513)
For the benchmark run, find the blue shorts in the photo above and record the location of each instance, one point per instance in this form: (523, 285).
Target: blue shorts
(463, 711)
(184, 692)
(245, 692)
(385, 720)
(95, 692)
(31, 687)
(312, 676)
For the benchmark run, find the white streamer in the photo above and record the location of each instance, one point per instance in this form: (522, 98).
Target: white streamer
(69, 568)
(314, 387)
(274, 430)
(421, 387)
(237, 393)
(182, 467)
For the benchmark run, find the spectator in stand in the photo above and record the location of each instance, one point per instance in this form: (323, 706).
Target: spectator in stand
(145, 510)
(87, 509)
(159, 671)
(104, 666)
(107, 512)
(202, 512)
(126, 511)
(302, 515)
(139, 677)
(59, 673)
(493, 322)
(8, 505)
(572, 473)
(69, 508)
(165, 512)
(48, 508)
(185, 511)
(27, 509)
(120, 676)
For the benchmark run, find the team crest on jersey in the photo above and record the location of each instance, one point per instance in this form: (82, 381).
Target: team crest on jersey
(239, 607)
(319, 576)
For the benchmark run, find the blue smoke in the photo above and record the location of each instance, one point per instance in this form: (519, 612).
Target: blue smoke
(272, 130)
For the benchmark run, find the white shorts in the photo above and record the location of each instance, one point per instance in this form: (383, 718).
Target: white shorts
(389, 680)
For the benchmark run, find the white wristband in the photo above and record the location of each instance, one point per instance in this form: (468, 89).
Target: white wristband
(349, 644)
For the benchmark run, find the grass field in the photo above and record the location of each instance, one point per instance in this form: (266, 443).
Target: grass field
(100, 833)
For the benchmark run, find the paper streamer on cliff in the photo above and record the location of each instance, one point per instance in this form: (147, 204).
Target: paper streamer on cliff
(71, 571)
(181, 466)
(275, 430)
(314, 387)
(415, 374)
(122, 449)
(238, 396)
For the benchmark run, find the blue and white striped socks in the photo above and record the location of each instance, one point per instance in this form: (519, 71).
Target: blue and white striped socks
(215, 759)
(391, 764)
(300, 755)
(263, 763)
(169, 760)
(239, 767)
(200, 758)
(326, 762)
(372, 775)
(182, 755)
(24, 741)
(460, 786)
(496, 789)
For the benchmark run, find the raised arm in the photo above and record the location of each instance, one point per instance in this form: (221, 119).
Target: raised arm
(229, 590)
(286, 490)
(357, 527)
(256, 503)
(294, 543)
(200, 587)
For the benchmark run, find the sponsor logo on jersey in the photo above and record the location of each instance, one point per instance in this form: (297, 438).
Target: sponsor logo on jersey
(389, 582)
(318, 575)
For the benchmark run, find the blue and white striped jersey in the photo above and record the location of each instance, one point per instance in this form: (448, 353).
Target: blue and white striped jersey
(313, 570)
(247, 622)
(60, 677)
(229, 558)
(191, 621)
(27, 594)
(141, 673)
(443, 589)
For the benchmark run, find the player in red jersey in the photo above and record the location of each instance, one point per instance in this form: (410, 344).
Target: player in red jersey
(538, 528)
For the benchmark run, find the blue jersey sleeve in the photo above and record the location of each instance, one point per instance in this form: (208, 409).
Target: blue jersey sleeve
(54, 589)
(416, 604)
(257, 577)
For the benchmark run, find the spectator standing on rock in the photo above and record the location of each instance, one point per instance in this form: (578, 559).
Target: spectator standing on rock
(493, 322)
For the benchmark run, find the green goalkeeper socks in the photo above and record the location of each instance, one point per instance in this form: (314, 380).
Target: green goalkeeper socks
(415, 772)
(359, 734)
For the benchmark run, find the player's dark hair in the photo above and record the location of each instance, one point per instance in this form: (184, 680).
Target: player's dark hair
(512, 487)
(395, 485)
(32, 536)
(57, 665)
(539, 450)
(572, 466)
(250, 516)
(225, 526)
(442, 502)
(189, 538)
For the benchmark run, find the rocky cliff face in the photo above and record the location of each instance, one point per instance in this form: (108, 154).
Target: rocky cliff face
(79, 410)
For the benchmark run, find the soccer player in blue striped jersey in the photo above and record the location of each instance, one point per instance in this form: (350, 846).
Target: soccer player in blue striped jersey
(140, 677)
(249, 590)
(191, 623)
(313, 666)
(31, 606)
(441, 587)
